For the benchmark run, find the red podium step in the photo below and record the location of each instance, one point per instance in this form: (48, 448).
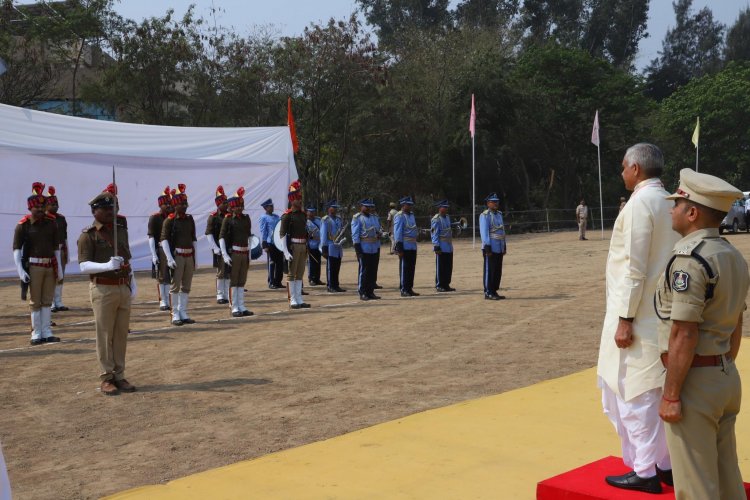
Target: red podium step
(587, 483)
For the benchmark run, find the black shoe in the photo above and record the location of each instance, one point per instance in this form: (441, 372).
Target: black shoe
(62, 308)
(499, 297)
(631, 481)
(222, 301)
(665, 476)
(52, 339)
(374, 297)
(294, 306)
(177, 322)
(237, 314)
(40, 341)
(274, 286)
(338, 289)
(188, 321)
(404, 293)
(53, 309)
(489, 296)
(449, 289)
(440, 289)
(304, 305)
(304, 293)
(414, 294)
(247, 313)
(330, 290)
(377, 287)
(362, 296)
(164, 308)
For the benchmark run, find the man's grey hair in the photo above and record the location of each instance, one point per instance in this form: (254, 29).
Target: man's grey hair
(647, 156)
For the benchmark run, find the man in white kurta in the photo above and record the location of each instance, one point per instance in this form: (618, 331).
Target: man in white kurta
(629, 370)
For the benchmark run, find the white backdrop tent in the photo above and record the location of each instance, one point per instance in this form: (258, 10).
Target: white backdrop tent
(76, 156)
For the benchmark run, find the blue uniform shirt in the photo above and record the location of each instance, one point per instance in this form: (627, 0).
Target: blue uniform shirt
(492, 230)
(313, 233)
(405, 230)
(366, 232)
(329, 229)
(267, 225)
(442, 235)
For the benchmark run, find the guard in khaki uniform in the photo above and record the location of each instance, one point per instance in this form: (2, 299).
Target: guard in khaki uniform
(178, 241)
(294, 231)
(36, 253)
(62, 235)
(213, 229)
(159, 270)
(234, 240)
(700, 300)
(582, 217)
(112, 289)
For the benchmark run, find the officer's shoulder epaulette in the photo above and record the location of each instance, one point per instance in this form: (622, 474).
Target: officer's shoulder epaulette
(324, 218)
(24, 219)
(50, 216)
(436, 217)
(287, 211)
(170, 216)
(486, 211)
(88, 228)
(356, 215)
(214, 213)
(400, 212)
(689, 247)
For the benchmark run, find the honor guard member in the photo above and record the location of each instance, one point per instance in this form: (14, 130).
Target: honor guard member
(112, 290)
(62, 235)
(274, 256)
(294, 229)
(700, 299)
(234, 241)
(159, 269)
(178, 242)
(405, 233)
(313, 246)
(492, 232)
(213, 229)
(366, 240)
(331, 233)
(442, 242)
(36, 253)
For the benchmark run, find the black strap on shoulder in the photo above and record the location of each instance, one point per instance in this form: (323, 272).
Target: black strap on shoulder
(709, 287)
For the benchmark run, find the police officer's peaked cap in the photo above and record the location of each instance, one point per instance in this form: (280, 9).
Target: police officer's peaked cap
(333, 204)
(367, 202)
(492, 197)
(406, 200)
(706, 190)
(311, 208)
(267, 203)
(103, 200)
(442, 204)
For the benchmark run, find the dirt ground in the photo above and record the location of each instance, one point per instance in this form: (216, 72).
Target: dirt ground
(226, 389)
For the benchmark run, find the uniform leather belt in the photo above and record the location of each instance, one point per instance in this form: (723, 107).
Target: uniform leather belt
(239, 249)
(410, 240)
(299, 240)
(40, 261)
(183, 251)
(698, 360)
(497, 236)
(110, 281)
(368, 240)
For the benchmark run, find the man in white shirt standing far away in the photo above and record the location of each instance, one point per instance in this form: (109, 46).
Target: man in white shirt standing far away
(629, 371)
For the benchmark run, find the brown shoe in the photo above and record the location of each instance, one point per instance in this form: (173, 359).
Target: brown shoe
(109, 389)
(124, 385)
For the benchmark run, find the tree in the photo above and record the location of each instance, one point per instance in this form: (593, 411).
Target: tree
(614, 28)
(738, 39)
(485, 13)
(393, 17)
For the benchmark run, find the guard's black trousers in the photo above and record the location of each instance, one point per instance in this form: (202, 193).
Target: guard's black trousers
(368, 273)
(333, 266)
(493, 272)
(407, 264)
(313, 265)
(443, 269)
(275, 266)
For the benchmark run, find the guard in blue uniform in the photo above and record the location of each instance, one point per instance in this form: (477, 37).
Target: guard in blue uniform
(442, 243)
(331, 235)
(274, 256)
(313, 246)
(493, 246)
(405, 233)
(366, 239)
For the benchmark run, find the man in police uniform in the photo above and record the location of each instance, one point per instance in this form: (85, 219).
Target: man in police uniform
(274, 256)
(492, 231)
(313, 246)
(366, 239)
(442, 243)
(405, 233)
(36, 253)
(700, 299)
(294, 232)
(62, 235)
(234, 241)
(331, 233)
(213, 229)
(582, 217)
(178, 241)
(112, 290)
(160, 271)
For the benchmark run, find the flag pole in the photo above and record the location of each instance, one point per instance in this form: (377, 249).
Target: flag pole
(697, 148)
(601, 201)
(473, 198)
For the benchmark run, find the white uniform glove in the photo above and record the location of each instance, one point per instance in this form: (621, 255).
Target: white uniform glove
(58, 259)
(287, 255)
(224, 253)
(114, 264)
(133, 286)
(168, 252)
(212, 243)
(22, 274)
(154, 253)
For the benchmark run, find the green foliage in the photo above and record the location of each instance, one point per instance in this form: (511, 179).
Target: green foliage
(738, 39)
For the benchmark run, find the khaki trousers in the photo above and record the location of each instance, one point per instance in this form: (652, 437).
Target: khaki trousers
(111, 305)
(182, 274)
(582, 228)
(297, 265)
(162, 271)
(220, 268)
(702, 445)
(41, 287)
(238, 276)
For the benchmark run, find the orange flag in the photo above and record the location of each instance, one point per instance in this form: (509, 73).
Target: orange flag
(290, 123)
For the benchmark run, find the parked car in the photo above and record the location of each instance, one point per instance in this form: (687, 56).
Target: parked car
(735, 219)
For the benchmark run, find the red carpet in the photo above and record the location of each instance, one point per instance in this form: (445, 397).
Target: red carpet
(587, 483)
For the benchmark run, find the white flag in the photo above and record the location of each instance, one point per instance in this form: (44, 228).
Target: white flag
(595, 132)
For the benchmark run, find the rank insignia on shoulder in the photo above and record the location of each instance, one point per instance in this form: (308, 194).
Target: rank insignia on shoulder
(680, 281)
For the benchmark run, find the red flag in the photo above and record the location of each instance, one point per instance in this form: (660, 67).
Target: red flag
(595, 131)
(473, 118)
(290, 123)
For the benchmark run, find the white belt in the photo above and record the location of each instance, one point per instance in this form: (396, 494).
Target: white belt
(239, 249)
(497, 236)
(39, 260)
(299, 240)
(184, 251)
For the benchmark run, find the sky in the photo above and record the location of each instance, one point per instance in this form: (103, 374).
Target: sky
(290, 17)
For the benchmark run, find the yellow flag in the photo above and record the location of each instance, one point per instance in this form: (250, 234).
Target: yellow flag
(697, 131)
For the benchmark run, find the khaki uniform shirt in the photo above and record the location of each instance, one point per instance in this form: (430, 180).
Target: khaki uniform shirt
(236, 231)
(155, 225)
(96, 244)
(40, 237)
(681, 291)
(582, 212)
(294, 224)
(642, 239)
(214, 223)
(183, 234)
